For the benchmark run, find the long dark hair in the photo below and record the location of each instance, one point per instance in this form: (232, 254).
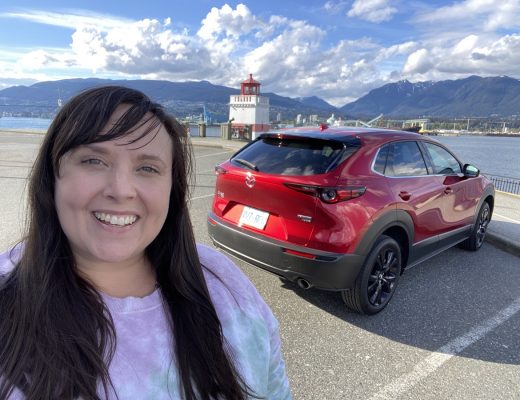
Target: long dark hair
(56, 335)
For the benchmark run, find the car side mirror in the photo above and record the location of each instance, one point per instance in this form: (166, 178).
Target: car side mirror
(470, 171)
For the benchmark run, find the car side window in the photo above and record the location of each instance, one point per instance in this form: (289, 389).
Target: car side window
(443, 162)
(380, 161)
(405, 159)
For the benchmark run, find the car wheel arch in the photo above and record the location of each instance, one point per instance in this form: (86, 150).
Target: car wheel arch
(397, 224)
(488, 196)
(400, 235)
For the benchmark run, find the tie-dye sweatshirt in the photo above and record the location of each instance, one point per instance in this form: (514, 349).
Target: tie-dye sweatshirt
(143, 367)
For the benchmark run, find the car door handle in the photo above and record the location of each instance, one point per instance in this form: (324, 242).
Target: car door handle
(448, 190)
(405, 195)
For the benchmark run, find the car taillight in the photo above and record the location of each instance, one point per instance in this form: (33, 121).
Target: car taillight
(329, 194)
(300, 254)
(219, 170)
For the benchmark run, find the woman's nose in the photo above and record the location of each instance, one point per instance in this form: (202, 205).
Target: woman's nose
(120, 184)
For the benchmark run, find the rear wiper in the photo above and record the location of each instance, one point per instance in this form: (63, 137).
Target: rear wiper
(246, 164)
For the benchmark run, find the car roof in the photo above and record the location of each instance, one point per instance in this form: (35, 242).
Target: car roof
(345, 134)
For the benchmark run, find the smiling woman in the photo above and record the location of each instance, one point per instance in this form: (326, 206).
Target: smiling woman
(108, 296)
(112, 200)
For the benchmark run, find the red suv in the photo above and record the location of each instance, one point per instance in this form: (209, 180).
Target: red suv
(347, 209)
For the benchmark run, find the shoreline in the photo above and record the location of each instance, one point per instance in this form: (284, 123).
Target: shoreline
(433, 133)
(24, 131)
(476, 134)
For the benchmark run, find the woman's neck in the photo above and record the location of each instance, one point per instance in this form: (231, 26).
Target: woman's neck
(134, 278)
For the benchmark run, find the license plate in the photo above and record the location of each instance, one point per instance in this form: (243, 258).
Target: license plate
(253, 217)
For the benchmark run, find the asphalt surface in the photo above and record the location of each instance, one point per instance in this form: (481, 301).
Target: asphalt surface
(450, 332)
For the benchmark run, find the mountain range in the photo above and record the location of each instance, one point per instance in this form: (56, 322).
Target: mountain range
(470, 97)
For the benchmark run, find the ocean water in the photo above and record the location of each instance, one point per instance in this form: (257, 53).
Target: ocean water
(496, 155)
(29, 124)
(42, 124)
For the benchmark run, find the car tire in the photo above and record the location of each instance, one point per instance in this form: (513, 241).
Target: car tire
(377, 280)
(478, 233)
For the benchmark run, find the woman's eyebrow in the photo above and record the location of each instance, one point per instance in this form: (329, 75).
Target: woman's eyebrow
(151, 157)
(95, 148)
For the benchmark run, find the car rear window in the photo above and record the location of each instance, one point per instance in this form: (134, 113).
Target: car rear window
(292, 156)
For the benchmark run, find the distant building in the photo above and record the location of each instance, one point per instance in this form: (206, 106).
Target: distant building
(331, 120)
(299, 119)
(249, 109)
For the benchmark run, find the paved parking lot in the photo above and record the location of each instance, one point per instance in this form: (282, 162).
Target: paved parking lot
(450, 332)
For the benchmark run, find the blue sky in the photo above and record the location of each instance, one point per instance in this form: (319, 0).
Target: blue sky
(337, 50)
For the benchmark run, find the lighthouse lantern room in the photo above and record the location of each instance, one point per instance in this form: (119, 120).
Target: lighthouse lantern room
(249, 109)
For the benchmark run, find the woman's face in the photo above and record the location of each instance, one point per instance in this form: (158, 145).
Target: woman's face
(112, 197)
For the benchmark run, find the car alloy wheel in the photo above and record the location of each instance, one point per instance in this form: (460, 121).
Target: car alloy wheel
(482, 224)
(381, 282)
(378, 278)
(478, 233)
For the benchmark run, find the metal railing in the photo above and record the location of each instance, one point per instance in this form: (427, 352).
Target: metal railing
(505, 183)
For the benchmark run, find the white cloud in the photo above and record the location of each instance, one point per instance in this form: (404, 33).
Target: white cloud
(472, 55)
(489, 14)
(37, 59)
(69, 20)
(289, 57)
(228, 22)
(141, 47)
(465, 46)
(419, 62)
(372, 10)
(335, 7)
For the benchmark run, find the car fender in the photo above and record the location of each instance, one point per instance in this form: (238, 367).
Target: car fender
(489, 191)
(384, 222)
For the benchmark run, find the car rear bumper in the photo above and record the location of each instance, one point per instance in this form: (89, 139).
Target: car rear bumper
(329, 271)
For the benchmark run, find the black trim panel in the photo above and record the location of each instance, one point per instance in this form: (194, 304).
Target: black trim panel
(329, 271)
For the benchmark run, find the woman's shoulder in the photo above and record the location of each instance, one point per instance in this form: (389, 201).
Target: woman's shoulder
(229, 287)
(9, 258)
(220, 265)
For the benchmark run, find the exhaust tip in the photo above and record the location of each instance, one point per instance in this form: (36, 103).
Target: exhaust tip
(304, 284)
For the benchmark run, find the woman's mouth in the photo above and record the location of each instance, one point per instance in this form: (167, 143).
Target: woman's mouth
(118, 220)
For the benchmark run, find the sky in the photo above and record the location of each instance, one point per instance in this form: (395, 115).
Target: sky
(336, 50)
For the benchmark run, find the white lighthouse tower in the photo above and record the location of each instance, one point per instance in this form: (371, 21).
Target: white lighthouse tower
(249, 109)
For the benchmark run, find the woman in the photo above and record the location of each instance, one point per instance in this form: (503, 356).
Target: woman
(108, 296)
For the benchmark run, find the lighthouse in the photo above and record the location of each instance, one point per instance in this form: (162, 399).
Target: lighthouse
(249, 109)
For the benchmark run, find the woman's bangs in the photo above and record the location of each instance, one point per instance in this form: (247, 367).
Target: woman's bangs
(134, 118)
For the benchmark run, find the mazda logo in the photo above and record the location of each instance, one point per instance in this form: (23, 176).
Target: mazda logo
(250, 180)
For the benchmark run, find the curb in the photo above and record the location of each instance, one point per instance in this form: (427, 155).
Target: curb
(233, 145)
(503, 243)
(513, 195)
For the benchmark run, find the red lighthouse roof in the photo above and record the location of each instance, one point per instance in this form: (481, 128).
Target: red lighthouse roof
(250, 86)
(251, 80)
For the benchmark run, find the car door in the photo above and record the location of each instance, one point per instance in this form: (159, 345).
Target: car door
(416, 193)
(460, 198)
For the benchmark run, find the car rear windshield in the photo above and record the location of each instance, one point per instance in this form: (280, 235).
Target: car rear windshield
(292, 156)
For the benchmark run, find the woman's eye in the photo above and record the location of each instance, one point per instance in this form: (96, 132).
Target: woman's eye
(149, 169)
(92, 161)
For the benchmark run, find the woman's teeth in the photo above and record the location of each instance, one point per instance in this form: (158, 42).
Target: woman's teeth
(119, 220)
